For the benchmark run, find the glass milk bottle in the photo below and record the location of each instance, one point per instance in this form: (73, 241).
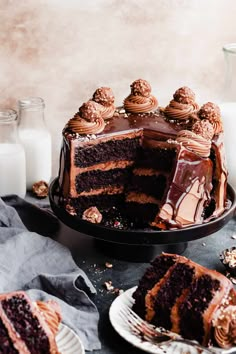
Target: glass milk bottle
(36, 140)
(12, 156)
(228, 110)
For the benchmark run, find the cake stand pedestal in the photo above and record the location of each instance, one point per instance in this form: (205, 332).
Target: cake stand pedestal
(140, 245)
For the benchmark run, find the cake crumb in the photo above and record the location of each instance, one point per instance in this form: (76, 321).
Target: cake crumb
(92, 215)
(108, 285)
(233, 236)
(203, 244)
(108, 265)
(40, 189)
(71, 210)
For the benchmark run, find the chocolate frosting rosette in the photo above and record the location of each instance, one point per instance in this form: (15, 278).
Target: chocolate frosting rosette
(88, 120)
(104, 96)
(140, 100)
(211, 112)
(183, 107)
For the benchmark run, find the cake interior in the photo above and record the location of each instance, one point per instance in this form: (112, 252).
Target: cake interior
(6, 342)
(18, 311)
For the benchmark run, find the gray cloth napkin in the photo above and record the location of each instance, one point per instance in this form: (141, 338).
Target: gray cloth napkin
(46, 270)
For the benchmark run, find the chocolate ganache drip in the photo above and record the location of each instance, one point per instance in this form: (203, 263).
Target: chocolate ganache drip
(105, 98)
(88, 120)
(183, 106)
(211, 112)
(140, 100)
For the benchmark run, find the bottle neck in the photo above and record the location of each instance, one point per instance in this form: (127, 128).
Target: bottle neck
(8, 127)
(31, 112)
(32, 118)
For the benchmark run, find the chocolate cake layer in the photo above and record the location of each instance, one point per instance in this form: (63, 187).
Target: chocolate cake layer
(191, 310)
(6, 345)
(141, 213)
(102, 201)
(112, 150)
(161, 159)
(151, 185)
(179, 279)
(152, 276)
(19, 313)
(97, 178)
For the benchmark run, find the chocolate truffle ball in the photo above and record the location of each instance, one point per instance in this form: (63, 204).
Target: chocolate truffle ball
(90, 111)
(104, 96)
(184, 95)
(141, 88)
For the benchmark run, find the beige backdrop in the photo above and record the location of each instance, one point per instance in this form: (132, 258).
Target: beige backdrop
(62, 50)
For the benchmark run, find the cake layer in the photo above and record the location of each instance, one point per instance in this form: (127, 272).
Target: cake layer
(161, 159)
(153, 275)
(160, 299)
(199, 296)
(26, 324)
(96, 179)
(141, 213)
(102, 201)
(105, 166)
(6, 345)
(153, 185)
(112, 150)
(140, 198)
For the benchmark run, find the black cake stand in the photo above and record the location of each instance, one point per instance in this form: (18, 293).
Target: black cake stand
(140, 244)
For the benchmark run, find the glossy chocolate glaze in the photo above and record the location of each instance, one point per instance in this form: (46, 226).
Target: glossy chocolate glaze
(155, 130)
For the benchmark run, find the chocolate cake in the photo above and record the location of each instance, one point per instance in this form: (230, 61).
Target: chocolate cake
(27, 327)
(186, 298)
(159, 167)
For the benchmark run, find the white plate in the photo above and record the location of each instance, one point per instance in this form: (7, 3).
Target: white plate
(120, 325)
(68, 341)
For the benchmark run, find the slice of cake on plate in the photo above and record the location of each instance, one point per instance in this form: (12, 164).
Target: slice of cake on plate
(186, 298)
(27, 327)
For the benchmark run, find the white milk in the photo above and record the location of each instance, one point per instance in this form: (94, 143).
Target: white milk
(228, 112)
(12, 170)
(37, 145)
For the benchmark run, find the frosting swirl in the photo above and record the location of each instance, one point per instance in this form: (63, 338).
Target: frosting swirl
(107, 111)
(225, 327)
(84, 127)
(194, 142)
(140, 104)
(51, 313)
(140, 100)
(180, 111)
(212, 112)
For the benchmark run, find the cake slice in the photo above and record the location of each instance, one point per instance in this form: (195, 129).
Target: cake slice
(27, 327)
(184, 297)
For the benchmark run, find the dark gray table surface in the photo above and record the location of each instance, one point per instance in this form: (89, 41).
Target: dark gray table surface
(125, 274)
